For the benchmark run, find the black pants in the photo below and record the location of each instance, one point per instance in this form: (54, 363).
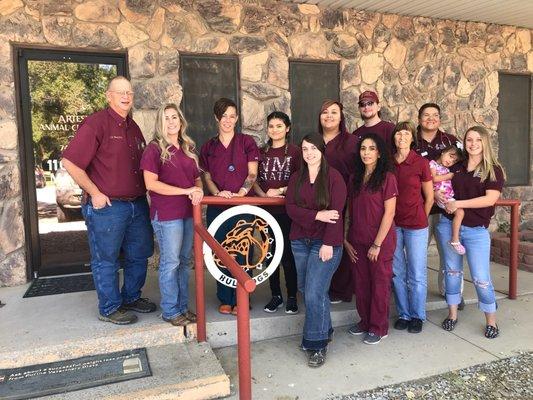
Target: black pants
(287, 260)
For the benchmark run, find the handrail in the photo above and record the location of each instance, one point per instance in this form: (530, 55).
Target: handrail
(513, 253)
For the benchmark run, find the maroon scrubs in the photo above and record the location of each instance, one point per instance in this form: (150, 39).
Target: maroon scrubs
(109, 148)
(219, 160)
(276, 167)
(340, 154)
(179, 170)
(304, 225)
(372, 281)
(383, 129)
(410, 174)
(468, 186)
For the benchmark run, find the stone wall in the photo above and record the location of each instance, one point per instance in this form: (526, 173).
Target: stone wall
(407, 60)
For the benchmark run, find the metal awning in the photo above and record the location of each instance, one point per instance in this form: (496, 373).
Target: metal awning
(505, 12)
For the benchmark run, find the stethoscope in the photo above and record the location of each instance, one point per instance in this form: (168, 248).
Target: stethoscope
(441, 137)
(233, 144)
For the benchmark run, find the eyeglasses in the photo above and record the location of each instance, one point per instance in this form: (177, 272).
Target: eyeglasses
(123, 92)
(365, 104)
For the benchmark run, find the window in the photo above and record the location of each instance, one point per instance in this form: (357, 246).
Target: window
(514, 133)
(310, 84)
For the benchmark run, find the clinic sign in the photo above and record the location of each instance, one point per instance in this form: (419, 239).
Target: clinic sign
(66, 123)
(250, 242)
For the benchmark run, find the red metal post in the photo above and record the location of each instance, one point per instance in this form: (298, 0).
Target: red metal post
(243, 343)
(513, 257)
(201, 330)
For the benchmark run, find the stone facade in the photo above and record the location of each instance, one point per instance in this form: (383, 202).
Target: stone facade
(407, 60)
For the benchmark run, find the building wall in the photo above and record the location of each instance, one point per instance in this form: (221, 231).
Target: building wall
(407, 60)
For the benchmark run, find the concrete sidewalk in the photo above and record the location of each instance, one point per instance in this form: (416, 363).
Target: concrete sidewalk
(280, 371)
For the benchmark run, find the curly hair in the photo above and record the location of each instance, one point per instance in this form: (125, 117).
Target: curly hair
(384, 165)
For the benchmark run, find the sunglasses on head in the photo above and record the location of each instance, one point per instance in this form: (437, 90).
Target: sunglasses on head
(365, 103)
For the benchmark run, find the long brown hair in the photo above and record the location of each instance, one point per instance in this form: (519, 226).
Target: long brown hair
(321, 183)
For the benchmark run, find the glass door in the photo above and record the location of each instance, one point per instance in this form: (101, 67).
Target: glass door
(58, 90)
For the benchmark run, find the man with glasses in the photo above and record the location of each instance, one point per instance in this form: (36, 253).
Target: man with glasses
(369, 108)
(103, 158)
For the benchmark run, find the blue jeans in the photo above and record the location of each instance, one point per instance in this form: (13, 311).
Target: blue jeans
(409, 269)
(225, 294)
(477, 244)
(175, 247)
(314, 278)
(125, 225)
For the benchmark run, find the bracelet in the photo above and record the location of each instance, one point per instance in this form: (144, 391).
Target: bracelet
(245, 190)
(375, 245)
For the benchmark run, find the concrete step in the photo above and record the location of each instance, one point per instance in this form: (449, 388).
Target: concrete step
(184, 371)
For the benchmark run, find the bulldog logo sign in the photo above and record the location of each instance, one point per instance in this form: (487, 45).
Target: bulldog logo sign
(249, 242)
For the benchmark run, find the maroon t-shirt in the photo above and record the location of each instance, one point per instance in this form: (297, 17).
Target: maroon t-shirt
(340, 154)
(468, 186)
(366, 212)
(410, 174)
(218, 160)
(382, 128)
(275, 169)
(180, 171)
(431, 150)
(109, 148)
(304, 225)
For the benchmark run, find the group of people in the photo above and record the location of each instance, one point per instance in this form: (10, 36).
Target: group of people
(360, 210)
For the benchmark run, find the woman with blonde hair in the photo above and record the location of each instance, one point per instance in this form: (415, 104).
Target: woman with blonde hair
(477, 185)
(172, 177)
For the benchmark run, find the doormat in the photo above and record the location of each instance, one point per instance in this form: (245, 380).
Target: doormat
(69, 375)
(59, 285)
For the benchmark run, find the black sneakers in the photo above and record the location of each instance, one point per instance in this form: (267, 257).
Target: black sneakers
(273, 305)
(415, 325)
(292, 306)
(401, 324)
(141, 305)
(317, 358)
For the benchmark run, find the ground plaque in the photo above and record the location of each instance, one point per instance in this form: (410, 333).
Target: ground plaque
(80, 373)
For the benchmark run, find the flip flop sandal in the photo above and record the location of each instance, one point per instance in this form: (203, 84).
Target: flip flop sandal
(449, 324)
(224, 309)
(491, 332)
(458, 247)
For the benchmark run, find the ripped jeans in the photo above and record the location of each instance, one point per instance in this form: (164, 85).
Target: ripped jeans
(477, 244)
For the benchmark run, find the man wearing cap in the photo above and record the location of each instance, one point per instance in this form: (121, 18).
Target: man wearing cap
(104, 158)
(369, 108)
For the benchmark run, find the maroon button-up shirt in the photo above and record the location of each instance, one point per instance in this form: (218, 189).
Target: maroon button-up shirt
(410, 174)
(304, 225)
(109, 148)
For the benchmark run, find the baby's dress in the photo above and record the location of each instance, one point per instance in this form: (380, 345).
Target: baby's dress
(445, 187)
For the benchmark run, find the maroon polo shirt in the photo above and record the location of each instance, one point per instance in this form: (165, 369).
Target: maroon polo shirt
(216, 159)
(468, 186)
(180, 171)
(304, 225)
(109, 148)
(383, 129)
(366, 212)
(340, 154)
(410, 174)
(431, 150)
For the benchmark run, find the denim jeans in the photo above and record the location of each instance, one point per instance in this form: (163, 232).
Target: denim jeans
(314, 278)
(477, 244)
(123, 225)
(175, 246)
(225, 294)
(409, 269)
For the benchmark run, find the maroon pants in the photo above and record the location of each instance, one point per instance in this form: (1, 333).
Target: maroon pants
(341, 284)
(372, 284)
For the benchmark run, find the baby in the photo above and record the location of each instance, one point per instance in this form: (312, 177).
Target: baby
(442, 181)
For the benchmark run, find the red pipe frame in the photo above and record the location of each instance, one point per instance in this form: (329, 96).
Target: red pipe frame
(246, 285)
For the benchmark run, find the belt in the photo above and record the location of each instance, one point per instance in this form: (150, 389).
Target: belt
(125, 198)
